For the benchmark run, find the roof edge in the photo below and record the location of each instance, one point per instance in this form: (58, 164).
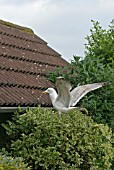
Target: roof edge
(22, 28)
(13, 109)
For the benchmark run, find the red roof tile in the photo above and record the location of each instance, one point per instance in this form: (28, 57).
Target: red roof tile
(25, 59)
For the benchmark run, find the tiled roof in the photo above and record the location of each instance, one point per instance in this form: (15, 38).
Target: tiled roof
(25, 59)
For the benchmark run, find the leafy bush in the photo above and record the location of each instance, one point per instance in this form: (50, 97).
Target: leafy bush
(10, 163)
(70, 142)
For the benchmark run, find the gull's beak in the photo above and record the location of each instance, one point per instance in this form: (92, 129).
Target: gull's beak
(44, 92)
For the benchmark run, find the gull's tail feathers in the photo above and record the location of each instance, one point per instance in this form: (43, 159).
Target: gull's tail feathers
(68, 110)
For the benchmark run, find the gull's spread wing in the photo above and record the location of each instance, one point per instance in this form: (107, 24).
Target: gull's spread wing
(80, 91)
(63, 88)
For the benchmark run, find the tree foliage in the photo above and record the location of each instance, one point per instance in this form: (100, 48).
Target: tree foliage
(70, 142)
(101, 43)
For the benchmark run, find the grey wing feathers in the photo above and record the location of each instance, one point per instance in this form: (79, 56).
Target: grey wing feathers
(80, 91)
(64, 96)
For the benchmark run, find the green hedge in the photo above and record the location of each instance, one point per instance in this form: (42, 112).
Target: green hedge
(10, 163)
(70, 142)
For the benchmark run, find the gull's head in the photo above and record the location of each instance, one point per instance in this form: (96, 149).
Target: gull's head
(52, 93)
(49, 91)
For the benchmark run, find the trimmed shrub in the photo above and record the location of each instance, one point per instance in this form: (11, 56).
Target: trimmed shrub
(70, 142)
(10, 163)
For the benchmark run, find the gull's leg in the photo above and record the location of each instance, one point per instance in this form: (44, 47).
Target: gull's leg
(60, 113)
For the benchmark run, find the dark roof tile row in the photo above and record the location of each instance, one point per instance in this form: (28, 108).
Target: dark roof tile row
(15, 96)
(14, 52)
(24, 79)
(27, 66)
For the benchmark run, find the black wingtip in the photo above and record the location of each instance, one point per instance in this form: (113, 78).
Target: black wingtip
(106, 83)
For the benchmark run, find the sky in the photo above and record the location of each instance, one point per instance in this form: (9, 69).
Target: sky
(63, 24)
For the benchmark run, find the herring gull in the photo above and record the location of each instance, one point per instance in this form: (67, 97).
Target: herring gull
(66, 99)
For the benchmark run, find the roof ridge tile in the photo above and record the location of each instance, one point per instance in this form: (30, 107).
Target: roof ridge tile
(18, 27)
(21, 38)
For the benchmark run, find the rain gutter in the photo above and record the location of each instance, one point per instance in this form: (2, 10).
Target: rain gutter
(13, 109)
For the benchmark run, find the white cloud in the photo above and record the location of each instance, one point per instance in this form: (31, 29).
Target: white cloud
(16, 2)
(63, 24)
